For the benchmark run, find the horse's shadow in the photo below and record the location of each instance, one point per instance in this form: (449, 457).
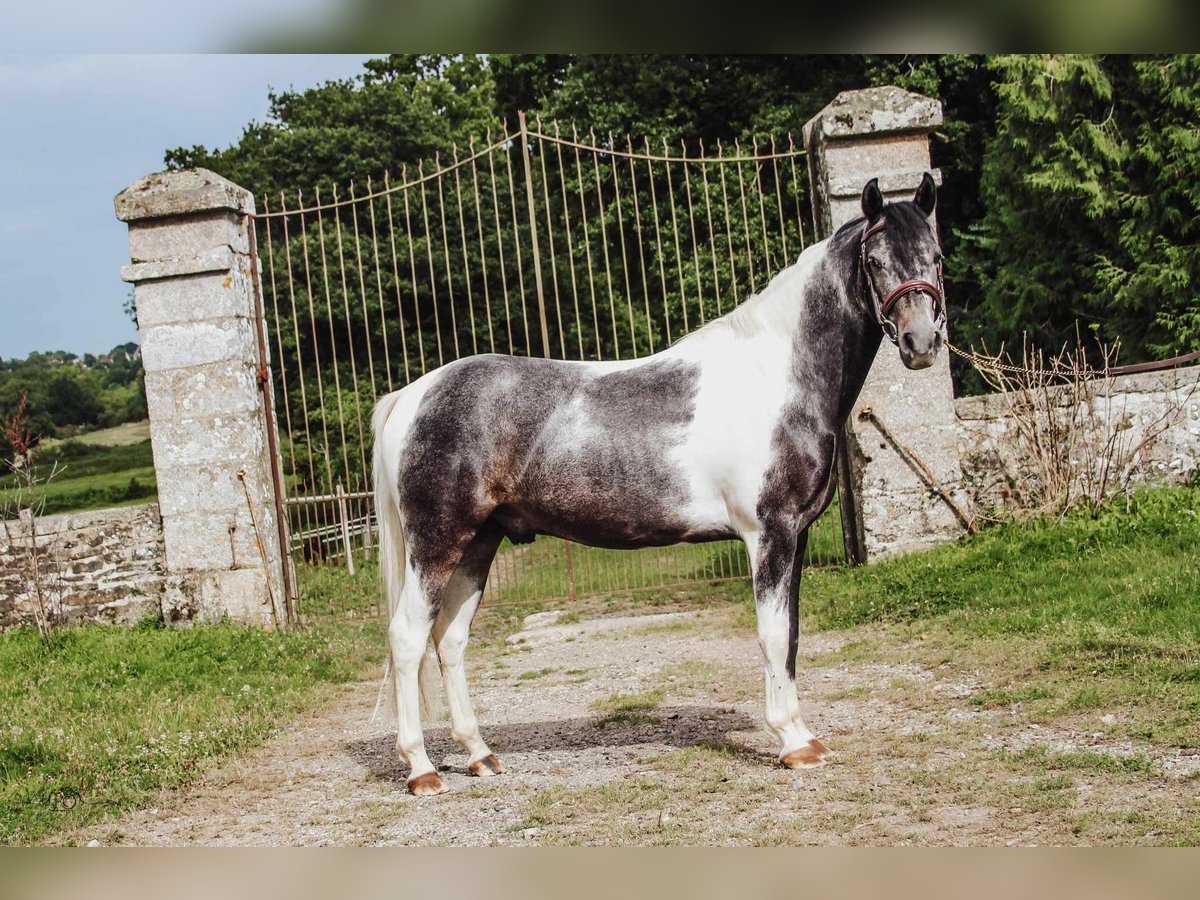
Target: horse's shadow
(674, 726)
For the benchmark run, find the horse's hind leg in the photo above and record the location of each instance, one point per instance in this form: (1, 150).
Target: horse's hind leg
(451, 630)
(408, 638)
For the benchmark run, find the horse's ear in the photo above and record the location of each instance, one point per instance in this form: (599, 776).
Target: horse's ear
(926, 196)
(872, 200)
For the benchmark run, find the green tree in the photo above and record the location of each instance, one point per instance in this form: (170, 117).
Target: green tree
(1154, 272)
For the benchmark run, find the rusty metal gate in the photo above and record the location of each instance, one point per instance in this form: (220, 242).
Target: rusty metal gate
(541, 243)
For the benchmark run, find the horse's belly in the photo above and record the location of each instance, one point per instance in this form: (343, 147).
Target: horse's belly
(618, 507)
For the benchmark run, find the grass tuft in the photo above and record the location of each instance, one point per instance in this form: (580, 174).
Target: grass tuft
(107, 716)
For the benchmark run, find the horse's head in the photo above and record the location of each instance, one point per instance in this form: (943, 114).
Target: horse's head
(902, 265)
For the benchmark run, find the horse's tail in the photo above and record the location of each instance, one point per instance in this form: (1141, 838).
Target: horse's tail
(392, 563)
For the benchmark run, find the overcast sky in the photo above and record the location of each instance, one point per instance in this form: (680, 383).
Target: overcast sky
(75, 130)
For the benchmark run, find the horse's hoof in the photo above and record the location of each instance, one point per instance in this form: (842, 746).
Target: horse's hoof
(427, 785)
(487, 766)
(812, 755)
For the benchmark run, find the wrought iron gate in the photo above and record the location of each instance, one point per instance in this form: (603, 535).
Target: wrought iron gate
(539, 243)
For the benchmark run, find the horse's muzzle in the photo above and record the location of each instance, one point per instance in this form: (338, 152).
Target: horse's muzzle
(919, 346)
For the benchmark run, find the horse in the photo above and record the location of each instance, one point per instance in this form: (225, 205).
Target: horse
(729, 433)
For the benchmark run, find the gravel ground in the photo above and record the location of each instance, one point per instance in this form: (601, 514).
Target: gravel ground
(913, 764)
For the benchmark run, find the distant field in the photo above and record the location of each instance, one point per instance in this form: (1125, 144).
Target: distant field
(90, 475)
(120, 436)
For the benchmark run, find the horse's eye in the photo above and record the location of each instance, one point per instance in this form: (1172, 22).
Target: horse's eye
(875, 263)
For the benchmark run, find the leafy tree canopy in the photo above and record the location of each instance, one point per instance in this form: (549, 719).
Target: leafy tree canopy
(1070, 198)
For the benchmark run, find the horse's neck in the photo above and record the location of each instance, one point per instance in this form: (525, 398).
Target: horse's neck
(834, 343)
(806, 328)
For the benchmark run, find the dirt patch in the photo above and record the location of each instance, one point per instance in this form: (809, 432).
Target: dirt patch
(647, 730)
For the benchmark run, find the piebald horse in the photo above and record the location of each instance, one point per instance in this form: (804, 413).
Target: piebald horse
(731, 432)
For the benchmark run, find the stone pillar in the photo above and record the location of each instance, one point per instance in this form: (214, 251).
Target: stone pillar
(194, 292)
(884, 133)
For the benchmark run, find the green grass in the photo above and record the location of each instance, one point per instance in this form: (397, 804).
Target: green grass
(1095, 612)
(629, 709)
(534, 674)
(117, 714)
(117, 436)
(89, 476)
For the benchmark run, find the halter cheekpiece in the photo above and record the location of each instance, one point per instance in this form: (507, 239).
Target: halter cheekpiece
(883, 305)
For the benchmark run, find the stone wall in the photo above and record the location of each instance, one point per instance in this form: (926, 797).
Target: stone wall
(1162, 406)
(103, 565)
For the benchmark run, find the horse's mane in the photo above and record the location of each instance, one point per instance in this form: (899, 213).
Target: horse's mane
(774, 307)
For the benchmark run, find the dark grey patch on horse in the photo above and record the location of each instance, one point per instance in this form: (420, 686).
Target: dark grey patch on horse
(545, 447)
(798, 484)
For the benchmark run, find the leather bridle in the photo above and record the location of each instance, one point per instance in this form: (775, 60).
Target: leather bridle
(884, 305)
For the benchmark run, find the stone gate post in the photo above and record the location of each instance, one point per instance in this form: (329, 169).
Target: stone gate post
(190, 242)
(884, 133)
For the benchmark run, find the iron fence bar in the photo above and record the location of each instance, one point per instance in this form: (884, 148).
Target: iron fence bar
(433, 292)
(675, 232)
(362, 294)
(587, 251)
(354, 379)
(462, 233)
(600, 214)
(512, 200)
(500, 253)
(687, 189)
(312, 318)
(442, 217)
(637, 222)
(562, 180)
(533, 238)
(624, 253)
(662, 272)
(333, 341)
(729, 233)
(712, 243)
(796, 194)
(290, 573)
(762, 213)
(268, 392)
(299, 376)
(665, 158)
(483, 255)
(412, 272)
(387, 353)
(779, 203)
(745, 216)
(562, 337)
(299, 500)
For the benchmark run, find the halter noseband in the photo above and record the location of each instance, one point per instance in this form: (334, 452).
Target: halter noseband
(884, 305)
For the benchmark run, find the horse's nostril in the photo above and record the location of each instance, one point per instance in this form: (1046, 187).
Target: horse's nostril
(909, 344)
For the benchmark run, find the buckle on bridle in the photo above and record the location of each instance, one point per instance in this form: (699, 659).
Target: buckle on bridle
(884, 305)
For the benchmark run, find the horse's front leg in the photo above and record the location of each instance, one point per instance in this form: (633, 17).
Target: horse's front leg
(778, 557)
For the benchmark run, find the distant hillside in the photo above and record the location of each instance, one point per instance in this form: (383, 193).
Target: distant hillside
(70, 394)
